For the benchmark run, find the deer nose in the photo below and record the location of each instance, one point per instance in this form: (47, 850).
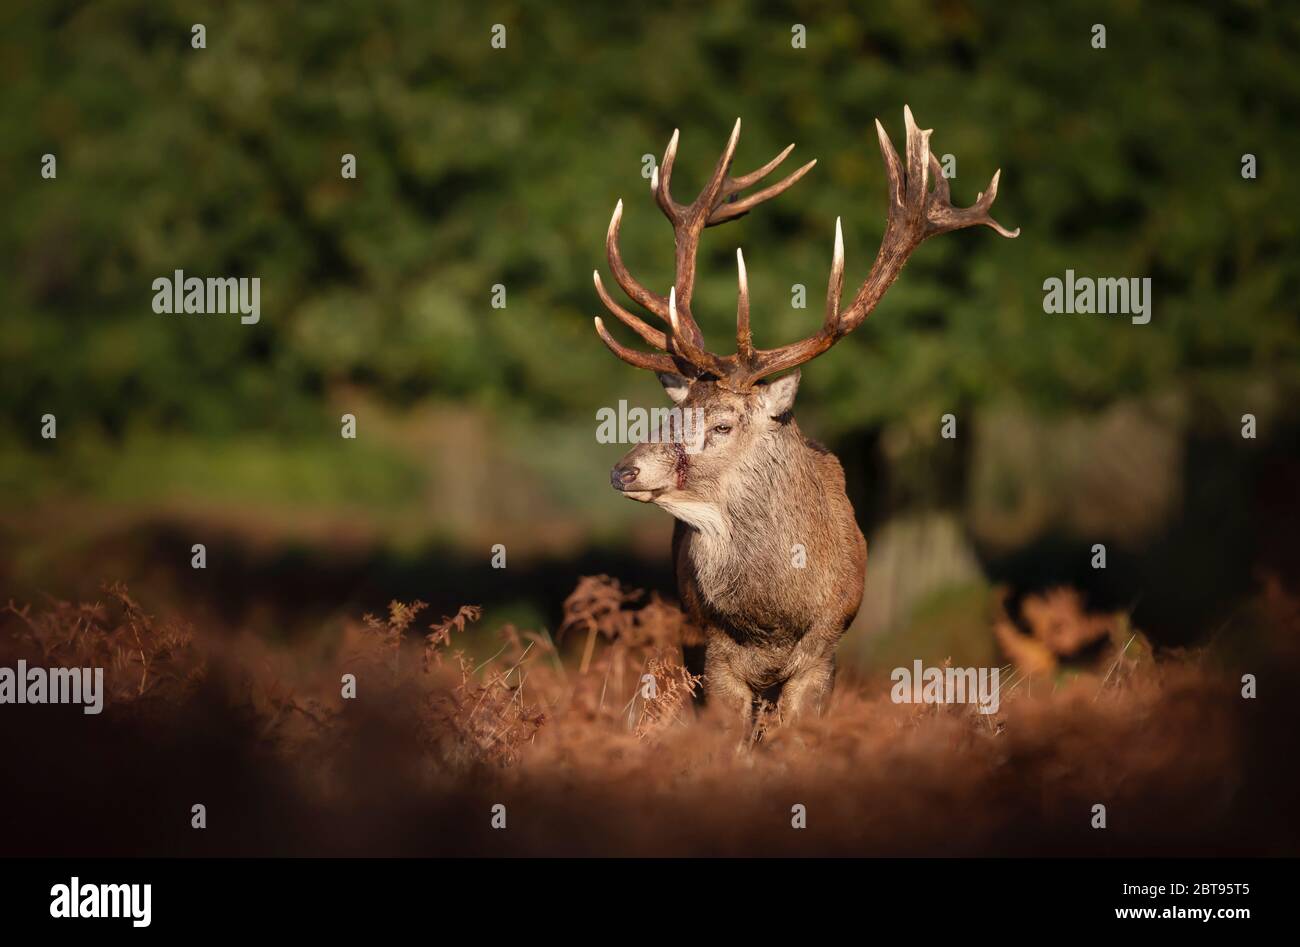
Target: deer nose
(623, 474)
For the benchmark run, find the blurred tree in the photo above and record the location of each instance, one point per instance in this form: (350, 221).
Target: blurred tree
(478, 166)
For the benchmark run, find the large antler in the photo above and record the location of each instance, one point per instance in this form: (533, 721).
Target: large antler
(915, 212)
(717, 203)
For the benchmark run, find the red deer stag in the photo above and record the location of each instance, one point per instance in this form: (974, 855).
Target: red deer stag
(770, 561)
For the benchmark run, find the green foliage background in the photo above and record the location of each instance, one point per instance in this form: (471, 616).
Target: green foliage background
(480, 166)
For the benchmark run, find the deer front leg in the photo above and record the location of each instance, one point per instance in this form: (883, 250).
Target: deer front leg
(808, 690)
(724, 686)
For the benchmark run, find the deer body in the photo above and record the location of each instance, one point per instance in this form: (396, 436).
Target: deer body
(769, 558)
(775, 580)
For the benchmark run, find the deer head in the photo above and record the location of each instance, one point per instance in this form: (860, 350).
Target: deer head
(743, 417)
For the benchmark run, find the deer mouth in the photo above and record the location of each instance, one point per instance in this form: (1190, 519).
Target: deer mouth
(644, 496)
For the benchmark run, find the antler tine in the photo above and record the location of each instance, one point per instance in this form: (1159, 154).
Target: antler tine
(661, 176)
(636, 324)
(659, 181)
(893, 168)
(715, 189)
(788, 356)
(638, 293)
(901, 227)
(711, 207)
(941, 192)
(685, 343)
(942, 217)
(753, 177)
(688, 223)
(654, 361)
(732, 209)
(835, 285)
(918, 162)
(744, 338)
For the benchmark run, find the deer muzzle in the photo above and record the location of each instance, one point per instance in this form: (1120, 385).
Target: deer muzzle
(642, 474)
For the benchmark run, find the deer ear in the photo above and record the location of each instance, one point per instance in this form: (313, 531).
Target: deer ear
(677, 386)
(778, 396)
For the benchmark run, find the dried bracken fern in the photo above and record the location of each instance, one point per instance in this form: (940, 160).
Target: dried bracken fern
(620, 642)
(1062, 632)
(284, 705)
(141, 656)
(1057, 618)
(596, 606)
(480, 719)
(642, 772)
(668, 701)
(440, 632)
(390, 631)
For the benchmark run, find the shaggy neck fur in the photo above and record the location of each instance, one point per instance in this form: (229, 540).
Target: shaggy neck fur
(743, 553)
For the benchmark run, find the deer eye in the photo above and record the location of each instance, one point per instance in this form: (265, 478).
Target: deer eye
(722, 429)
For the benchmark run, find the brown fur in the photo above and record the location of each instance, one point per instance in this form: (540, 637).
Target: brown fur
(758, 492)
(748, 499)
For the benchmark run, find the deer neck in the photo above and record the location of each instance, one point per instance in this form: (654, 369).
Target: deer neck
(749, 532)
